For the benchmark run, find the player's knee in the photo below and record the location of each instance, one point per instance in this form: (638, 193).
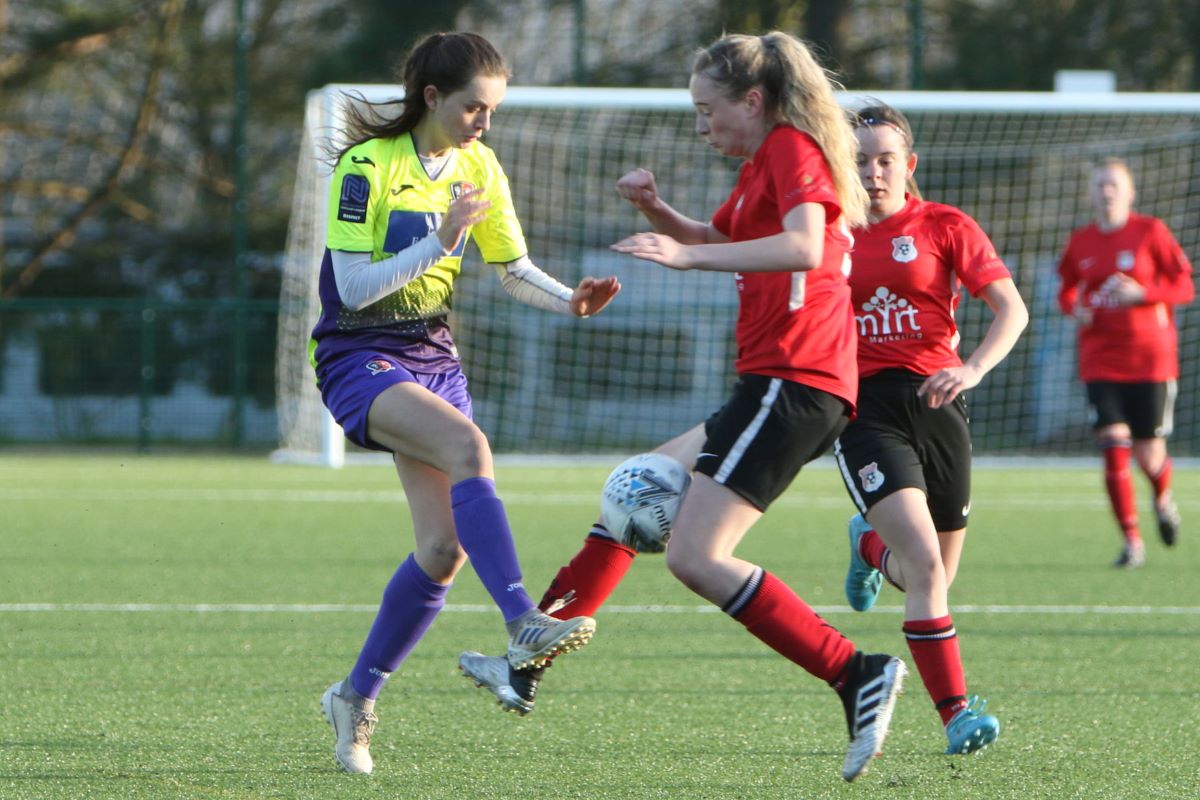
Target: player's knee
(441, 558)
(924, 572)
(685, 565)
(468, 453)
(1113, 436)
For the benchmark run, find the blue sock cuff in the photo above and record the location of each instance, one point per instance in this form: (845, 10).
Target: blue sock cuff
(472, 489)
(425, 584)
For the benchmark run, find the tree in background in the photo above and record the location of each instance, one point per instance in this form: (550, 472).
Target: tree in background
(116, 118)
(374, 36)
(1020, 44)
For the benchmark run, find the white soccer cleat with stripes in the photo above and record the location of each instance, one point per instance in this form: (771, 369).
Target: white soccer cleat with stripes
(869, 698)
(515, 690)
(353, 720)
(540, 638)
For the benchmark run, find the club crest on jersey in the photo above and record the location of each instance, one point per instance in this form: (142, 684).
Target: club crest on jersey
(903, 249)
(459, 188)
(871, 477)
(1125, 260)
(378, 365)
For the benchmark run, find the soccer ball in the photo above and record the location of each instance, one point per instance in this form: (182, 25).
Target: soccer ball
(641, 498)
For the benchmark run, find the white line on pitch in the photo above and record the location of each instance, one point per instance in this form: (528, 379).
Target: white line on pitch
(792, 500)
(319, 608)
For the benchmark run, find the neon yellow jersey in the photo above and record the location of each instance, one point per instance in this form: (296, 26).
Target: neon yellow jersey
(381, 201)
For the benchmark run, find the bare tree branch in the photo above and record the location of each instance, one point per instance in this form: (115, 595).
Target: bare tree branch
(65, 236)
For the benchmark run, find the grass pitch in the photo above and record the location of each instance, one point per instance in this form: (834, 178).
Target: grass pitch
(167, 626)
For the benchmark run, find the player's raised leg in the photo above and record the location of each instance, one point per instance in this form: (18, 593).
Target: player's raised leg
(580, 587)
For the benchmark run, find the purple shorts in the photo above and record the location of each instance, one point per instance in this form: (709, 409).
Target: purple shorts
(351, 383)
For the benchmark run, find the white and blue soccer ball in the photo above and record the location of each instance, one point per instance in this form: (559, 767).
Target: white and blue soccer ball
(641, 498)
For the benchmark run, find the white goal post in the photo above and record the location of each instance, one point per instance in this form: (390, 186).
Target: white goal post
(658, 359)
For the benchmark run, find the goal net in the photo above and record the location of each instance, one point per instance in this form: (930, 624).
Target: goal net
(659, 359)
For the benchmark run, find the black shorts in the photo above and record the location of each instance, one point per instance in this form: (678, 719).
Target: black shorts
(767, 430)
(899, 442)
(1147, 408)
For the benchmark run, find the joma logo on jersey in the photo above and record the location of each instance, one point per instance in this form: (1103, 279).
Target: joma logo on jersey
(887, 315)
(903, 249)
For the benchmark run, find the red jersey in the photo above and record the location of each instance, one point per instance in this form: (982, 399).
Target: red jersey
(1135, 344)
(907, 271)
(792, 325)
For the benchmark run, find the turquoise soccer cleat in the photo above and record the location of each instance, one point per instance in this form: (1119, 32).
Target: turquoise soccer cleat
(970, 729)
(863, 581)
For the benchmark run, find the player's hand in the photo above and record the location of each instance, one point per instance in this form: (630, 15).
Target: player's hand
(638, 187)
(593, 294)
(941, 388)
(1120, 291)
(658, 248)
(465, 210)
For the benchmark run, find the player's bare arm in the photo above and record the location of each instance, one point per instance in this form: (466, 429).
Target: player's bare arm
(638, 187)
(798, 248)
(1010, 318)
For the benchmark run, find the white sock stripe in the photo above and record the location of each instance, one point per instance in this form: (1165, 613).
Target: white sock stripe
(922, 637)
(734, 456)
(739, 601)
(883, 567)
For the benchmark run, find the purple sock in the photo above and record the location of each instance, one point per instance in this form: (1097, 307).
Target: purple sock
(410, 602)
(484, 533)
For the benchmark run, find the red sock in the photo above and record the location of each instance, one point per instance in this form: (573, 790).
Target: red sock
(871, 548)
(876, 553)
(934, 647)
(591, 576)
(1162, 481)
(771, 611)
(1119, 483)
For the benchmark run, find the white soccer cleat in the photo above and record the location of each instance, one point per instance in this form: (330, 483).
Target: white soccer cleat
(514, 689)
(1132, 555)
(540, 638)
(869, 698)
(353, 720)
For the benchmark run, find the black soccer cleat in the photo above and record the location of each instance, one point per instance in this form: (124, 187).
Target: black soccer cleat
(869, 697)
(1169, 522)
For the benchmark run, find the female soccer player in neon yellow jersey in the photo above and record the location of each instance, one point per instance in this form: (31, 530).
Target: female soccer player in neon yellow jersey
(405, 198)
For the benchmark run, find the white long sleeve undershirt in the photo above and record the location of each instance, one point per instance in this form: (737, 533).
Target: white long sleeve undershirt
(361, 282)
(525, 282)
